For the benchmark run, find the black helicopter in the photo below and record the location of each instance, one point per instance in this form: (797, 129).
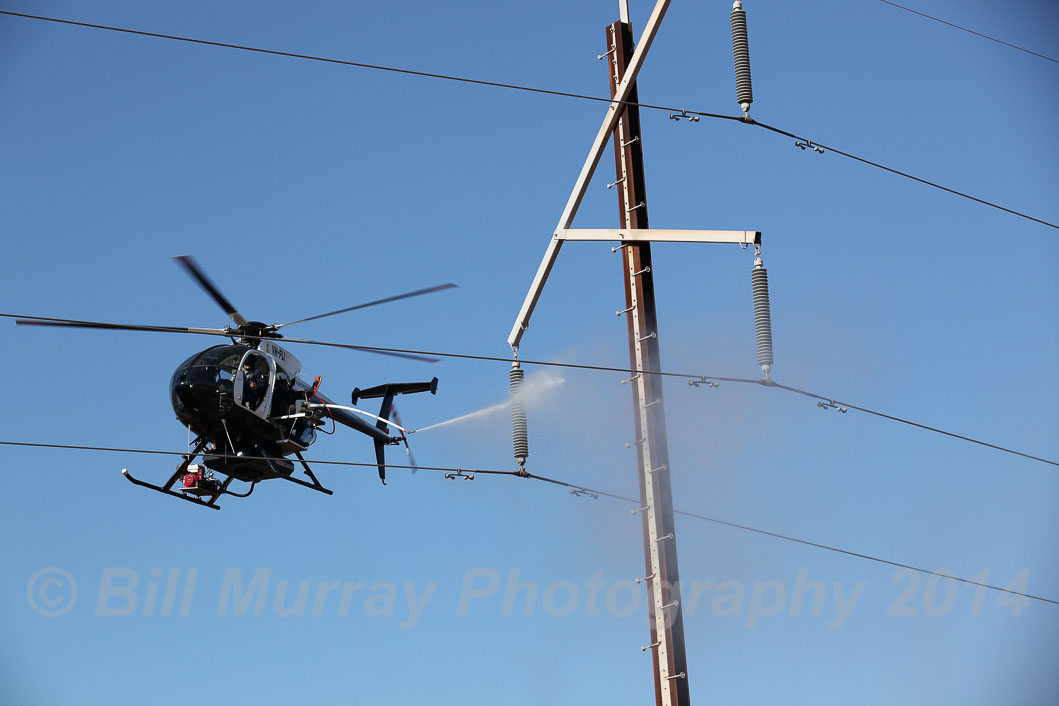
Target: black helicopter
(249, 410)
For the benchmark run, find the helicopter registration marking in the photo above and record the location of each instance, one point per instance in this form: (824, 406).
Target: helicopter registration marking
(285, 360)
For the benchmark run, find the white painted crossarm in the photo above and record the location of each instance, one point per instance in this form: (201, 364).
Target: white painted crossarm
(659, 235)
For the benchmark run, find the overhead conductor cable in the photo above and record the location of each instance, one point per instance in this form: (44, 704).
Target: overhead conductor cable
(544, 91)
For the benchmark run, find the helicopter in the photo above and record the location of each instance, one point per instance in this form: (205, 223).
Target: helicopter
(249, 410)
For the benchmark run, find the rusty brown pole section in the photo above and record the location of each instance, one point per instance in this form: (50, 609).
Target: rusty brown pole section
(656, 498)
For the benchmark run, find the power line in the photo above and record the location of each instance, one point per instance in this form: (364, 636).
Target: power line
(914, 424)
(970, 31)
(516, 87)
(691, 377)
(371, 349)
(355, 64)
(906, 175)
(705, 518)
(155, 452)
(554, 481)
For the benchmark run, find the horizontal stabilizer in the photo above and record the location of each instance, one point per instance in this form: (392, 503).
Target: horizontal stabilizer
(395, 388)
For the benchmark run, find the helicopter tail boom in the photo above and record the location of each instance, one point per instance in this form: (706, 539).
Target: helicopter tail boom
(387, 392)
(380, 431)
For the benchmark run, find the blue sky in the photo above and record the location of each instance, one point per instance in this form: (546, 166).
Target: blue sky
(303, 187)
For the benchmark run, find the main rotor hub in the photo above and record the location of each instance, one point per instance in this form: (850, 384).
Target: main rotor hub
(257, 330)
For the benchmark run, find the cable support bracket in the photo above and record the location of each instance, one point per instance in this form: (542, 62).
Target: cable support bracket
(684, 114)
(808, 143)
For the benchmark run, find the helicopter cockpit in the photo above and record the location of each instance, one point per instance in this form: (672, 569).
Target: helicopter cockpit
(205, 380)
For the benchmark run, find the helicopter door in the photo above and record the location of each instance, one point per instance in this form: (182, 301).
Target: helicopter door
(254, 382)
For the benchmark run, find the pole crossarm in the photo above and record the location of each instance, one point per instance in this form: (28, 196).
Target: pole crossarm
(660, 235)
(614, 111)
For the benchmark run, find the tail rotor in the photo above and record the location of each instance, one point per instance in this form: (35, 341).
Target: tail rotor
(404, 439)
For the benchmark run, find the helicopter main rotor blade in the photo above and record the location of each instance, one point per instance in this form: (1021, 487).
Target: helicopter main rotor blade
(24, 320)
(74, 323)
(406, 295)
(195, 271)
(365, 349)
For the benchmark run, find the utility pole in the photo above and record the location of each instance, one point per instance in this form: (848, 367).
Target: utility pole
(656, 499)
(621, 124)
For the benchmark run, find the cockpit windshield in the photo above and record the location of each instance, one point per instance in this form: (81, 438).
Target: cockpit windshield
(224, 357)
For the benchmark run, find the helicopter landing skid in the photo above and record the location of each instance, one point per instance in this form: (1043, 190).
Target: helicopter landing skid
(197, 495)
(197, 499)
(207, 495)
(315, 485)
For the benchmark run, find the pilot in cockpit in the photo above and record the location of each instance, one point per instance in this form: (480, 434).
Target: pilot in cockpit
(254, 384)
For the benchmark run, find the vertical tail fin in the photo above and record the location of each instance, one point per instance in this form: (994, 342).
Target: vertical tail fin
(380, 458)
(384, 412)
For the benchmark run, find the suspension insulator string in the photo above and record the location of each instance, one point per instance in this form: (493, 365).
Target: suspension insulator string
(519, 433)
(744, 90)
(759, 277)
